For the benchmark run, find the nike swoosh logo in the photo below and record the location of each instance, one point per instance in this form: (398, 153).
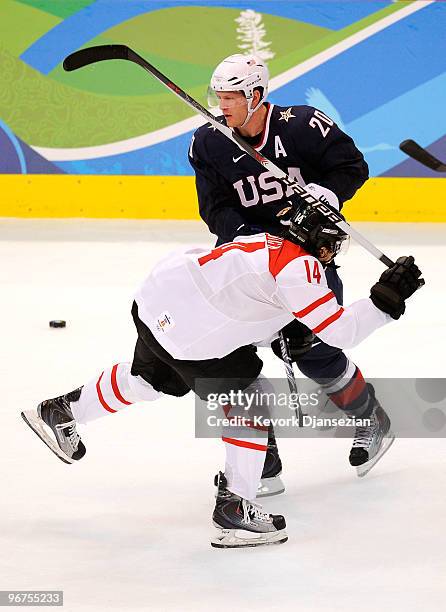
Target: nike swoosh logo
(235, 159)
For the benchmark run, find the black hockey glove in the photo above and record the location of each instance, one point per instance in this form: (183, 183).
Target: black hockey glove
(297, 204)
(292, 206)
(247, 230)
(395, 285)
(298, 338)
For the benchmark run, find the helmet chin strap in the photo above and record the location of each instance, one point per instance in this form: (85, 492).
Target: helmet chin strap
(251, 111)
(249, 114)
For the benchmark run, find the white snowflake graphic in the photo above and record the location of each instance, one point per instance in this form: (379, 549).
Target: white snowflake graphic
(251, 32)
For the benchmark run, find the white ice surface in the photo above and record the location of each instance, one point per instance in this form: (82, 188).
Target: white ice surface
(128, 527)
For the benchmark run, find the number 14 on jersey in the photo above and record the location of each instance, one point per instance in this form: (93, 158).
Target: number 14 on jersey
(314, 274)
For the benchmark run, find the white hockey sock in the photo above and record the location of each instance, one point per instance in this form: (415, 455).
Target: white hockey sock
(110, 392)
(244, 465)
(246, 446)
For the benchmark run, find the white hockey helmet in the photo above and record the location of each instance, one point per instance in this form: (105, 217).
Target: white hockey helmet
(240, 73)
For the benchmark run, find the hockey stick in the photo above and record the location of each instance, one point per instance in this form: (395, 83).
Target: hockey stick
(414, 150)
(99, 53)
(292, 384)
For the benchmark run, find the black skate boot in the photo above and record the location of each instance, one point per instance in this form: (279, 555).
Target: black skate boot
(371, 441)
(271, 483)
(55, 415)
(241, 523)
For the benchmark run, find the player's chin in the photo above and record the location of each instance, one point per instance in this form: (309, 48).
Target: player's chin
(231, 121)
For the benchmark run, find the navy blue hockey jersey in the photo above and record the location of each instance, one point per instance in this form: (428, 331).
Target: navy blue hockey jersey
(233, 189)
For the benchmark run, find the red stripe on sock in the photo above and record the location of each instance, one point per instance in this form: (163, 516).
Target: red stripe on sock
(243, 443)
(114, 384)
(101, 397)
(352, 390)
(227, 409)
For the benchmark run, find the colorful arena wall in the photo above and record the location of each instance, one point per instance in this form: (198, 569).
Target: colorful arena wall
(109, 141)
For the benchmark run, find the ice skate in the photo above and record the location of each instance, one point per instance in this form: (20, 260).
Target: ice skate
(53, 422)
(371, 441)
(271, 482)
(242, 524)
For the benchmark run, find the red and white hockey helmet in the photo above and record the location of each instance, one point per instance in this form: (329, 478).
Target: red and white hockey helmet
(240, 73)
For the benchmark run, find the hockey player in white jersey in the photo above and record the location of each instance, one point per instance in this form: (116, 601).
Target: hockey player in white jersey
(197, 315)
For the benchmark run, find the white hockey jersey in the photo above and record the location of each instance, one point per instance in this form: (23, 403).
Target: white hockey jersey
(204, 304)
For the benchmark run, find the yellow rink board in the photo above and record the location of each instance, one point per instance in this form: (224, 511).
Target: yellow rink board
(173, 197)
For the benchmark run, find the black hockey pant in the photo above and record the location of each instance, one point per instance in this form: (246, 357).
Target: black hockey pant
(152, 362)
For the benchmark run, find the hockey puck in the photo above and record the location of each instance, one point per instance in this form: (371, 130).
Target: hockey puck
(58, 323)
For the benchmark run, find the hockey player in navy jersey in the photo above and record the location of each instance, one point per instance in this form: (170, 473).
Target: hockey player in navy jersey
(198, 314)
(237, 196)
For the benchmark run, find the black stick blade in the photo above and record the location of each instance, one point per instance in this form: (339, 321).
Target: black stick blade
(414, 150)
(91, 55)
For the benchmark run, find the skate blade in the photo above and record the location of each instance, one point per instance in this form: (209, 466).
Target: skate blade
(33, 420)
(241, 538)
(365, 468)
(270, 486)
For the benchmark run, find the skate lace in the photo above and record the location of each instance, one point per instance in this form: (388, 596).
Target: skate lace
(364, 434)
(253, 512)
(71, 435)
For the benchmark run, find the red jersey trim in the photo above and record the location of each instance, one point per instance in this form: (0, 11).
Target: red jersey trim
(328, 321)
(314, 305)
(244, 444)
(247, 247)
(280, 255)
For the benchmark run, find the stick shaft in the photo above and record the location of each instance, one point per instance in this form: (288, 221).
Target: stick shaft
(292, 384)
